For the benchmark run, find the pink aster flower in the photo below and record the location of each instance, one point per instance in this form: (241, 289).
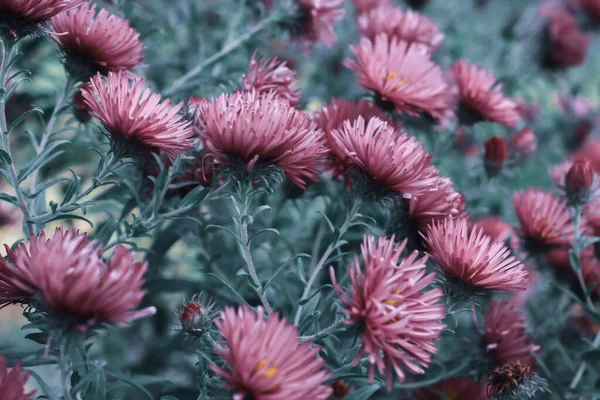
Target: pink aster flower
(567, 46)
(318, 19)
(27, 13)
(100, 41)
(524, 142)
(332, 116)
(495, 227)
(366, 5)
(544, 219)
(408, 26)
(135, 117)
(506, 334)
(400, 321)
(474, 258)
(453, 389)
(265, 359)
(481, 95)
(402, 76)
(12, 383)
(253, 129)
(273, 75)
(68, 278)
(392, 160)
(436, 204)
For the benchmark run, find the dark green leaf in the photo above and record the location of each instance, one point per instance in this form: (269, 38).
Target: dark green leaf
(195, 197)
(68, 216)
(327, 286)
(23, 117)
(41, 159)
(5, 157)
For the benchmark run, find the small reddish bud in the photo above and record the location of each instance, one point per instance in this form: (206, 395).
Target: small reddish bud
(567, 45)
(191, 311)
(340, 389)
(507, 377)
(592, 8)
(580, 175)
(80, 109)
(496, 154)
(524, 142)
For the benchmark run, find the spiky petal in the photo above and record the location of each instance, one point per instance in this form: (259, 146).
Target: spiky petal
(265, 359)
(400, 321)
(318, 18)
(12, 383)
(272, 75)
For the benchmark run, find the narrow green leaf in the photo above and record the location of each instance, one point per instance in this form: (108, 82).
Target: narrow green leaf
(23, 117)
(280, 269)
(195, 197)
(69, 216)
(5, 157)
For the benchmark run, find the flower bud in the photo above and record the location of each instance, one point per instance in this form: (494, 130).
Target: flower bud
(340, 389)
(80, 110)
(196, 316)
(496, 154)
(524, 142)
(191, 311)
(578, 181)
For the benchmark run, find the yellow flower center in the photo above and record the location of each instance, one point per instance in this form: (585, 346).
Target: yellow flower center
(396, 75)
(269, 373)
(545, 229)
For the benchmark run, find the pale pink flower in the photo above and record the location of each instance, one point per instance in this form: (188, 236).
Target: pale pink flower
(481, 95)
(545, 219)
(265, 359)
(251, 129)
(436, 204)
(366, 5)
(495, 227)
(392, 160)
(332, 116)
(65, 276)
(100, 41)
(135, 116)
(272, 75)
(400, 322)
(524, 142)
(506, 334)
(576, 106)
(408, 26)
(453, 389)
(34, 11)
(318, 18)
(402, 76)
(12, 383)
(474, 258)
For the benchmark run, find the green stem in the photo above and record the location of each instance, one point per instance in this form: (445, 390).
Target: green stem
(228, 48)
(355, 207)
(7, 49)
(332, 328)
(65, 369)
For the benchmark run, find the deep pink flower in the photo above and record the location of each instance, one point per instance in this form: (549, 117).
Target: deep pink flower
(393, 160)
(408, 26)
(100, 41)
(332, 116)
(366, 5)
(12, 383)
(544, 219)
(135, 116)
(453, 389)
(402, 76)
(272, 75)
(400, 322)
(506, 334)
(67, 276)
(34, 11)
(524, 142)
(567, 46)
(474, 258)
(265, 360)
(495, 227)
(592, 8)
(252, 129)
(436, 204)
(318, 19)
(481, 95)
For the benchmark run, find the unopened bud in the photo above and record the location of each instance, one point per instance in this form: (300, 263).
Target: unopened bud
(578, 181)
(80, 109)
(496, 154)
(191, 311)
(340, 389)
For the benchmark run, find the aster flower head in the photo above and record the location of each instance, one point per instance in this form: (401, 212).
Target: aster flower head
(366, 5)
(544, 219)
(454, 389)
(473, 259)
(95, 42)
(402, 76)
(12, 383)
(566, 45)
(523, 142)
(408, 26)
(390, 160)
(506, 337)
(316, 20)
(332, 116)
(23, 17)
(272, 75)
(250, 130)
(135, 118)
(265, 359)
(400, 322)
(481, 97)
(66, 277)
